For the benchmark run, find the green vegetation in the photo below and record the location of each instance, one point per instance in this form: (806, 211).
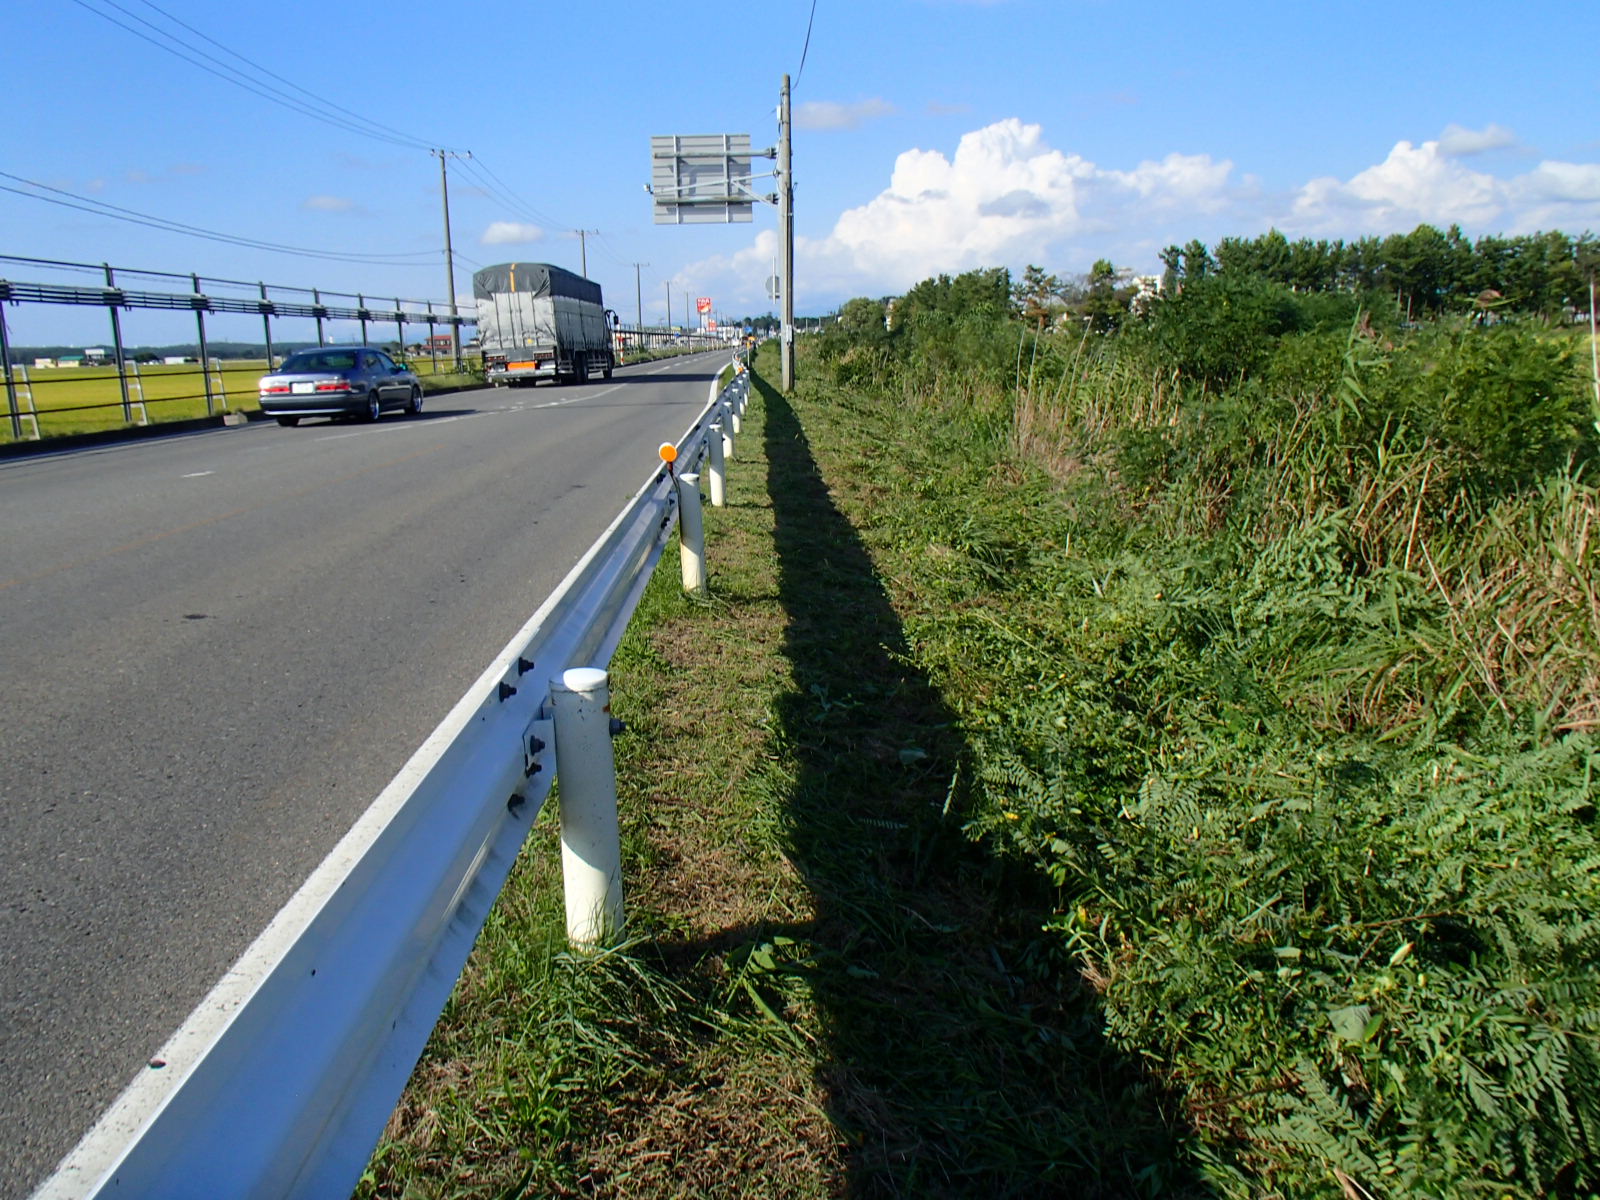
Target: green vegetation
(1279, 655)
(1155, 763)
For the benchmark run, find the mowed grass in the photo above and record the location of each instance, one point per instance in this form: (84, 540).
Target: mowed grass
(825, 988)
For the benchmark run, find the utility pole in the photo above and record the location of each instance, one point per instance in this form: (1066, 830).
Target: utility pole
(449, 255)
(583, 247)
(669, 303)
(786, 239)
(638, 296)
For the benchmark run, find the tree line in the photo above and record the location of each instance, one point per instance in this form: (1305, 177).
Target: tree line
(1546, 274)
(1422, 274)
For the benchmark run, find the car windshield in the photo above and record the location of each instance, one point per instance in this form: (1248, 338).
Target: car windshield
(319, 360)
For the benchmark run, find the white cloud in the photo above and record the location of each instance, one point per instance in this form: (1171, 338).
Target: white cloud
(826, 114)
(334, 204)
(1458, 141)
(1415, 184)
(510, 233)
(1005, 197)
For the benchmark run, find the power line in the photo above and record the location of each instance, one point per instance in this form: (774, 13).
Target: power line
(100, 208)
(807, 48)
(188, 52)
(273, 75)
(487, 180)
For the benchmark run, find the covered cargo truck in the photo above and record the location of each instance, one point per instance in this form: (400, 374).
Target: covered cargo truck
(538, 321)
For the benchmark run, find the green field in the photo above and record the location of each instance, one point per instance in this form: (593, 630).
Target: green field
(68, 400)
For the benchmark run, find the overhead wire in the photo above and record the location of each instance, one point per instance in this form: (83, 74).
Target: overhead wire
(806, 49)
(230, 75)
(378, 125)
(101, 208)
(311, 105)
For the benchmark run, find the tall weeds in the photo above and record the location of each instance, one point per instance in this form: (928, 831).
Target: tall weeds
(1280, 652)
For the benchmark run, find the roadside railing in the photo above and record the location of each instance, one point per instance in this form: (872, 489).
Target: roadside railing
(280, 1082)
(121, 391)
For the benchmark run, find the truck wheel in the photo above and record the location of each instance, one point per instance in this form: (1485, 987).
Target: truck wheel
(580, 368)
(611, 364)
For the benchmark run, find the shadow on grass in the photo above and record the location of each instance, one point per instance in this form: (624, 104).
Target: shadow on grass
(962, 1054)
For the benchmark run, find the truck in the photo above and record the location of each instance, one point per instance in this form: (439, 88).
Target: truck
(540, 321)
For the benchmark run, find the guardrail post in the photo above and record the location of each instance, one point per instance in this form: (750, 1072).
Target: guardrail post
(727, 439)
(11, 386)
(719, 469)
(691, 534)
(116, 348)
(591, 846)
(205, 354)
(734, 411)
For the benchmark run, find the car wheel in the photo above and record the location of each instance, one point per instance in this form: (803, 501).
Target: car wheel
(374, 407)
(414, 405)
(289, 422)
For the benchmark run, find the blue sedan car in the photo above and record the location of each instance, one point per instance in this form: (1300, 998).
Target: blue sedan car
(339, 381)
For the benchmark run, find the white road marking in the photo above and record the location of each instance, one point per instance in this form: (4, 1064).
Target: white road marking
(198, 474)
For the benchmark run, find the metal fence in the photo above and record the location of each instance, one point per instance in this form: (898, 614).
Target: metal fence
(70, 390)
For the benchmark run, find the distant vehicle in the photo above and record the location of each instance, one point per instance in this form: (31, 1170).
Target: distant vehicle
(538, 321)
(339, 381)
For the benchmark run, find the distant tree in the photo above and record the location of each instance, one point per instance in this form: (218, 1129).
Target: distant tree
(1197, 261)
(1103, 306)
(1171, 270)
(1037, 296)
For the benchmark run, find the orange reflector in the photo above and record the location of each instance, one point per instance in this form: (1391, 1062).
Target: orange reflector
(668, 452)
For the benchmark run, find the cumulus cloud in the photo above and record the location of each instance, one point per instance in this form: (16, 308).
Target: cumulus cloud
(1414, 184)
(826, 114)
(1006, 197)
(1457, 141)
(510, 233)
(332, 204)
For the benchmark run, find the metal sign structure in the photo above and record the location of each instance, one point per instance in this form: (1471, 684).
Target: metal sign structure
(701, 179)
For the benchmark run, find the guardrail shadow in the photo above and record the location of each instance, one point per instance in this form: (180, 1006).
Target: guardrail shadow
(963, 1054)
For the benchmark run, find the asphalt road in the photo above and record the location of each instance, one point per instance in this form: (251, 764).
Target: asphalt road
(216, 650)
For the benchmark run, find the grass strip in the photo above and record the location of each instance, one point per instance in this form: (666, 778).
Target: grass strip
(827, 989)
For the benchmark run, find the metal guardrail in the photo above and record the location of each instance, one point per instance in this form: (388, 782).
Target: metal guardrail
(280, 1082)
(116, 299)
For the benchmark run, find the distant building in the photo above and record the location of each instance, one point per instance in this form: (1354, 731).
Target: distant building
(40, 364)
(95, 354)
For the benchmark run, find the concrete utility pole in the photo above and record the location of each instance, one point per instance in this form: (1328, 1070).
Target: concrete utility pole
(583, 247)
(786, 239)
(638, 296)
(449, 258)
(668, 282)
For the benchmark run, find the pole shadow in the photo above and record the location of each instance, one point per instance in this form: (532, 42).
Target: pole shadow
(962, 1052)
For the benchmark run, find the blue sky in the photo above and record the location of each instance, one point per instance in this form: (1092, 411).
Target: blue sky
(931, 135)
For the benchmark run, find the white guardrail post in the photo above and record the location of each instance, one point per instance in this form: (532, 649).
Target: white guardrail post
(717, 472)
(591, 847)
(281, 1080)
(691, 534)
